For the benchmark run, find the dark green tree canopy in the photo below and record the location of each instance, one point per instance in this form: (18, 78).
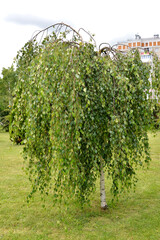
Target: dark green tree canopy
(76, 107)
(7, 83)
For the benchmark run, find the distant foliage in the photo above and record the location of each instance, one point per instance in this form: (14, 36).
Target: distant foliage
(155, 76)
(72, 107)
(7, 83)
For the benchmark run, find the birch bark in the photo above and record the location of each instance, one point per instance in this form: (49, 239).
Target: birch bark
(102, 188)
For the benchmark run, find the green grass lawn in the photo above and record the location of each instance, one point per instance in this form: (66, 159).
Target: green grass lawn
(135, 217)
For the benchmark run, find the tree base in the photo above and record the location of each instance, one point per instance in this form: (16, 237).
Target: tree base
(104, 208)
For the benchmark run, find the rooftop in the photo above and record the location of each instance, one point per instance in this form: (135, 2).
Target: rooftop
(139, 38)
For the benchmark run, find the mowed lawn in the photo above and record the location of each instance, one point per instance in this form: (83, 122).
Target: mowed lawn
(135, 217)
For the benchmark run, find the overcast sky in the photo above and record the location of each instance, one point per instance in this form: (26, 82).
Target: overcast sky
(109, 20)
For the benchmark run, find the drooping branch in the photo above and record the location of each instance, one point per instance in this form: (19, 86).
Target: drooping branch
(90, 35)
(107, 50)
(59, 29)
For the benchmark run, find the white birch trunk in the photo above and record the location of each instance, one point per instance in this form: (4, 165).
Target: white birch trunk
(102, 188)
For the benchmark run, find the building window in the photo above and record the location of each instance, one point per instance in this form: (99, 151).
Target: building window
(138, 44)
(150, 44)
(130, 44)
(154, 43)
(142, 44)
(158, 43)
(119, 47)
(146, 44)
(134, 44)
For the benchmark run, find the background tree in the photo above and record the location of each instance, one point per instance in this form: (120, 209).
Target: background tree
(84, 113)
(155, 76)
(7, 83)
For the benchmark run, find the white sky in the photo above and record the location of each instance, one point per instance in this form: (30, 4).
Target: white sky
(110, 21)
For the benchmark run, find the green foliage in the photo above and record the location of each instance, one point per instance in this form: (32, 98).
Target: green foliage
(73, 107)
(156, 116)
(155, 76)
(7, 83)
(18, 114)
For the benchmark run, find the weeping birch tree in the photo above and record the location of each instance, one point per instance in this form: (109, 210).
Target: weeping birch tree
(83, 113)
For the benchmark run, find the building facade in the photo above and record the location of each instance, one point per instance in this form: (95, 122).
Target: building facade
(145, 45)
